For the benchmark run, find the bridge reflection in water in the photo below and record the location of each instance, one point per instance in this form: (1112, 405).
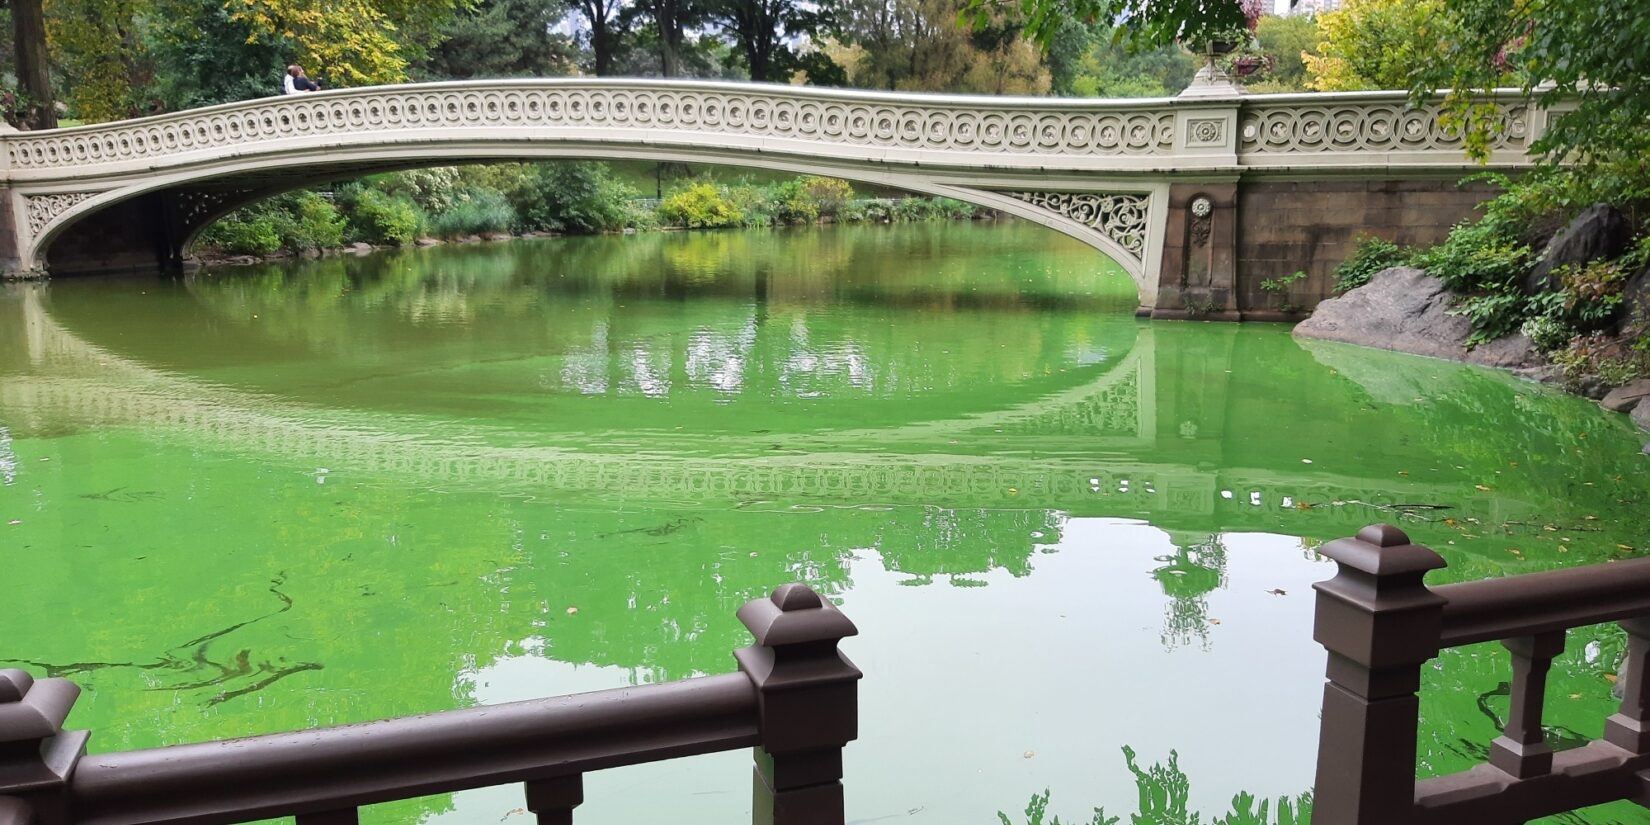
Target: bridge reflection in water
(1161, 445)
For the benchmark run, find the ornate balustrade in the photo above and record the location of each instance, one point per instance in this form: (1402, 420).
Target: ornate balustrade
(794, 701)
(1381, 624)
(1369, 129)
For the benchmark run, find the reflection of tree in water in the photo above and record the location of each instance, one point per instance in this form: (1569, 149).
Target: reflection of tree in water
(954, 542)
(1164, 793)
(1187, 577)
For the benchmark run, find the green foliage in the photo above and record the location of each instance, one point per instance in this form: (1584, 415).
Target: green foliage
(378, 218)
(1478, 257)
(295, 222)
(575, 197)
(1037, 810)
(1374, 44)
(1287, 40)
(1372, 255)
(1590, 54)
(1593, 293)
(244, 233)
(1613, 360)
(1282, 284)
(475, 213)
(1492, 316)
(1547, 333)
(1088, 61)
(502, 38)
(1145, 23)
(701, 205)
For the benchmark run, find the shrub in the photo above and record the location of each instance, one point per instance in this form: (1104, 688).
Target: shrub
(700, 205)
(1478, 257)
(1593, 293)
(1372, 255)
(828, 195)
(243, 233)
(375, 217)
(581, 198)
(317, 223)
(474, 213)
(1546, 333)
(1614, 361)
(793, 203)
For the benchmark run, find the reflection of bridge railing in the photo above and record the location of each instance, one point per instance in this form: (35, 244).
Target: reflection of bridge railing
(1382, 624)
(794, 701)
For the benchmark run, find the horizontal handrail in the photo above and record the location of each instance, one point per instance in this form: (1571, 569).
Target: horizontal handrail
(328, 768)
(1492, 609)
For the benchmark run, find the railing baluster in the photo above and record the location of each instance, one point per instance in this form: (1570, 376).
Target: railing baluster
(553, 800)
(1629, 727)
(1522, 750)
(338, 816)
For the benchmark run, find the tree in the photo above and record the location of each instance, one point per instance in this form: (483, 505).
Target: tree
(1375, 44)
(1288, 40)
(1590, 54)
(603, 31)
(765, 32)
(1144, 23)
(347, 42)
(1090, 61)
(670, 20)
(34, 76)
(102, 56)
(918, 45)
(502, 38)
(202, 56)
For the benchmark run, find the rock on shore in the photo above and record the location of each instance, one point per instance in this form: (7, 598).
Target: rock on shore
(1406, 310)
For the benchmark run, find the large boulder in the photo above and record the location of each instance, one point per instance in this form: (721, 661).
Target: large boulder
(1599, 232)
(1627, 396)
(1641, 417)
(1406, 310)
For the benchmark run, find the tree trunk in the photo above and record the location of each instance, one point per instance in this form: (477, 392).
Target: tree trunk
(668, 18)
(34, 75)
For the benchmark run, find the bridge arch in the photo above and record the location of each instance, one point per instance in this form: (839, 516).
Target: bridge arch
(191, 199)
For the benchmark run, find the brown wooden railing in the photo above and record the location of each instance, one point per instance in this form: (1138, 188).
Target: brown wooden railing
(794, 701)
(1381, 624)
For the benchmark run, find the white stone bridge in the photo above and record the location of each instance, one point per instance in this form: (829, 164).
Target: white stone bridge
(1198, 197)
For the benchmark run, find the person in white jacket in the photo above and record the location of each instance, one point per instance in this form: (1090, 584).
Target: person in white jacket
(296, 82)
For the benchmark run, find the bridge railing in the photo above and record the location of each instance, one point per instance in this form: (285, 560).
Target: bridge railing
(794, 700)
(1381, 624)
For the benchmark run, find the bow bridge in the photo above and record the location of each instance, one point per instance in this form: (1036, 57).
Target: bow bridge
(1198, 197)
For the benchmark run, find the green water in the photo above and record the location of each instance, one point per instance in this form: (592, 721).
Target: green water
(273, 497)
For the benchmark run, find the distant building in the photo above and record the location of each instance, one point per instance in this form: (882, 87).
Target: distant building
(1313, 6)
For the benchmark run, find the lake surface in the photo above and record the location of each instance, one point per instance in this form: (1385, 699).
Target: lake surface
(272, 497)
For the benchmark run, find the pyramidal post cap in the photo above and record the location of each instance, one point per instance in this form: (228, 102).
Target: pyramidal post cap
(14, 684)
(1383, 550)
(795, 614)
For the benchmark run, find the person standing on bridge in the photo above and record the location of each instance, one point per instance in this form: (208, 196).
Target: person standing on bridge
(296, 81)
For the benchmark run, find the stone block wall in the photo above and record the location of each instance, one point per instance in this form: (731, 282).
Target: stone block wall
(1289, 226)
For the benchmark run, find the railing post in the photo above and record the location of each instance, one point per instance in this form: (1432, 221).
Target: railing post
(807, 706)
(1379, 623)
(37, 756)
(1629, 727)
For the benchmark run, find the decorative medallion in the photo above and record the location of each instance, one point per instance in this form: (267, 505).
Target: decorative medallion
(1206, 132)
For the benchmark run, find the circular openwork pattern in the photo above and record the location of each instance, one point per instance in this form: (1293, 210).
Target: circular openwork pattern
(1202, 208)
(757, 113)
(1386, 127)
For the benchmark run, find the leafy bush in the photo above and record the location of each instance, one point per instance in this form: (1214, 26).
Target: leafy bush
(293, 222)
(1593, 293)
(474, 213)
(1478, 257)
(317, 223)
(1613, 360)
(1546, 333)
(1372, 255)
(375, 217)
(700, 205)
(828, 195)
(243, 234)
(793, 203)
(581, 198)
